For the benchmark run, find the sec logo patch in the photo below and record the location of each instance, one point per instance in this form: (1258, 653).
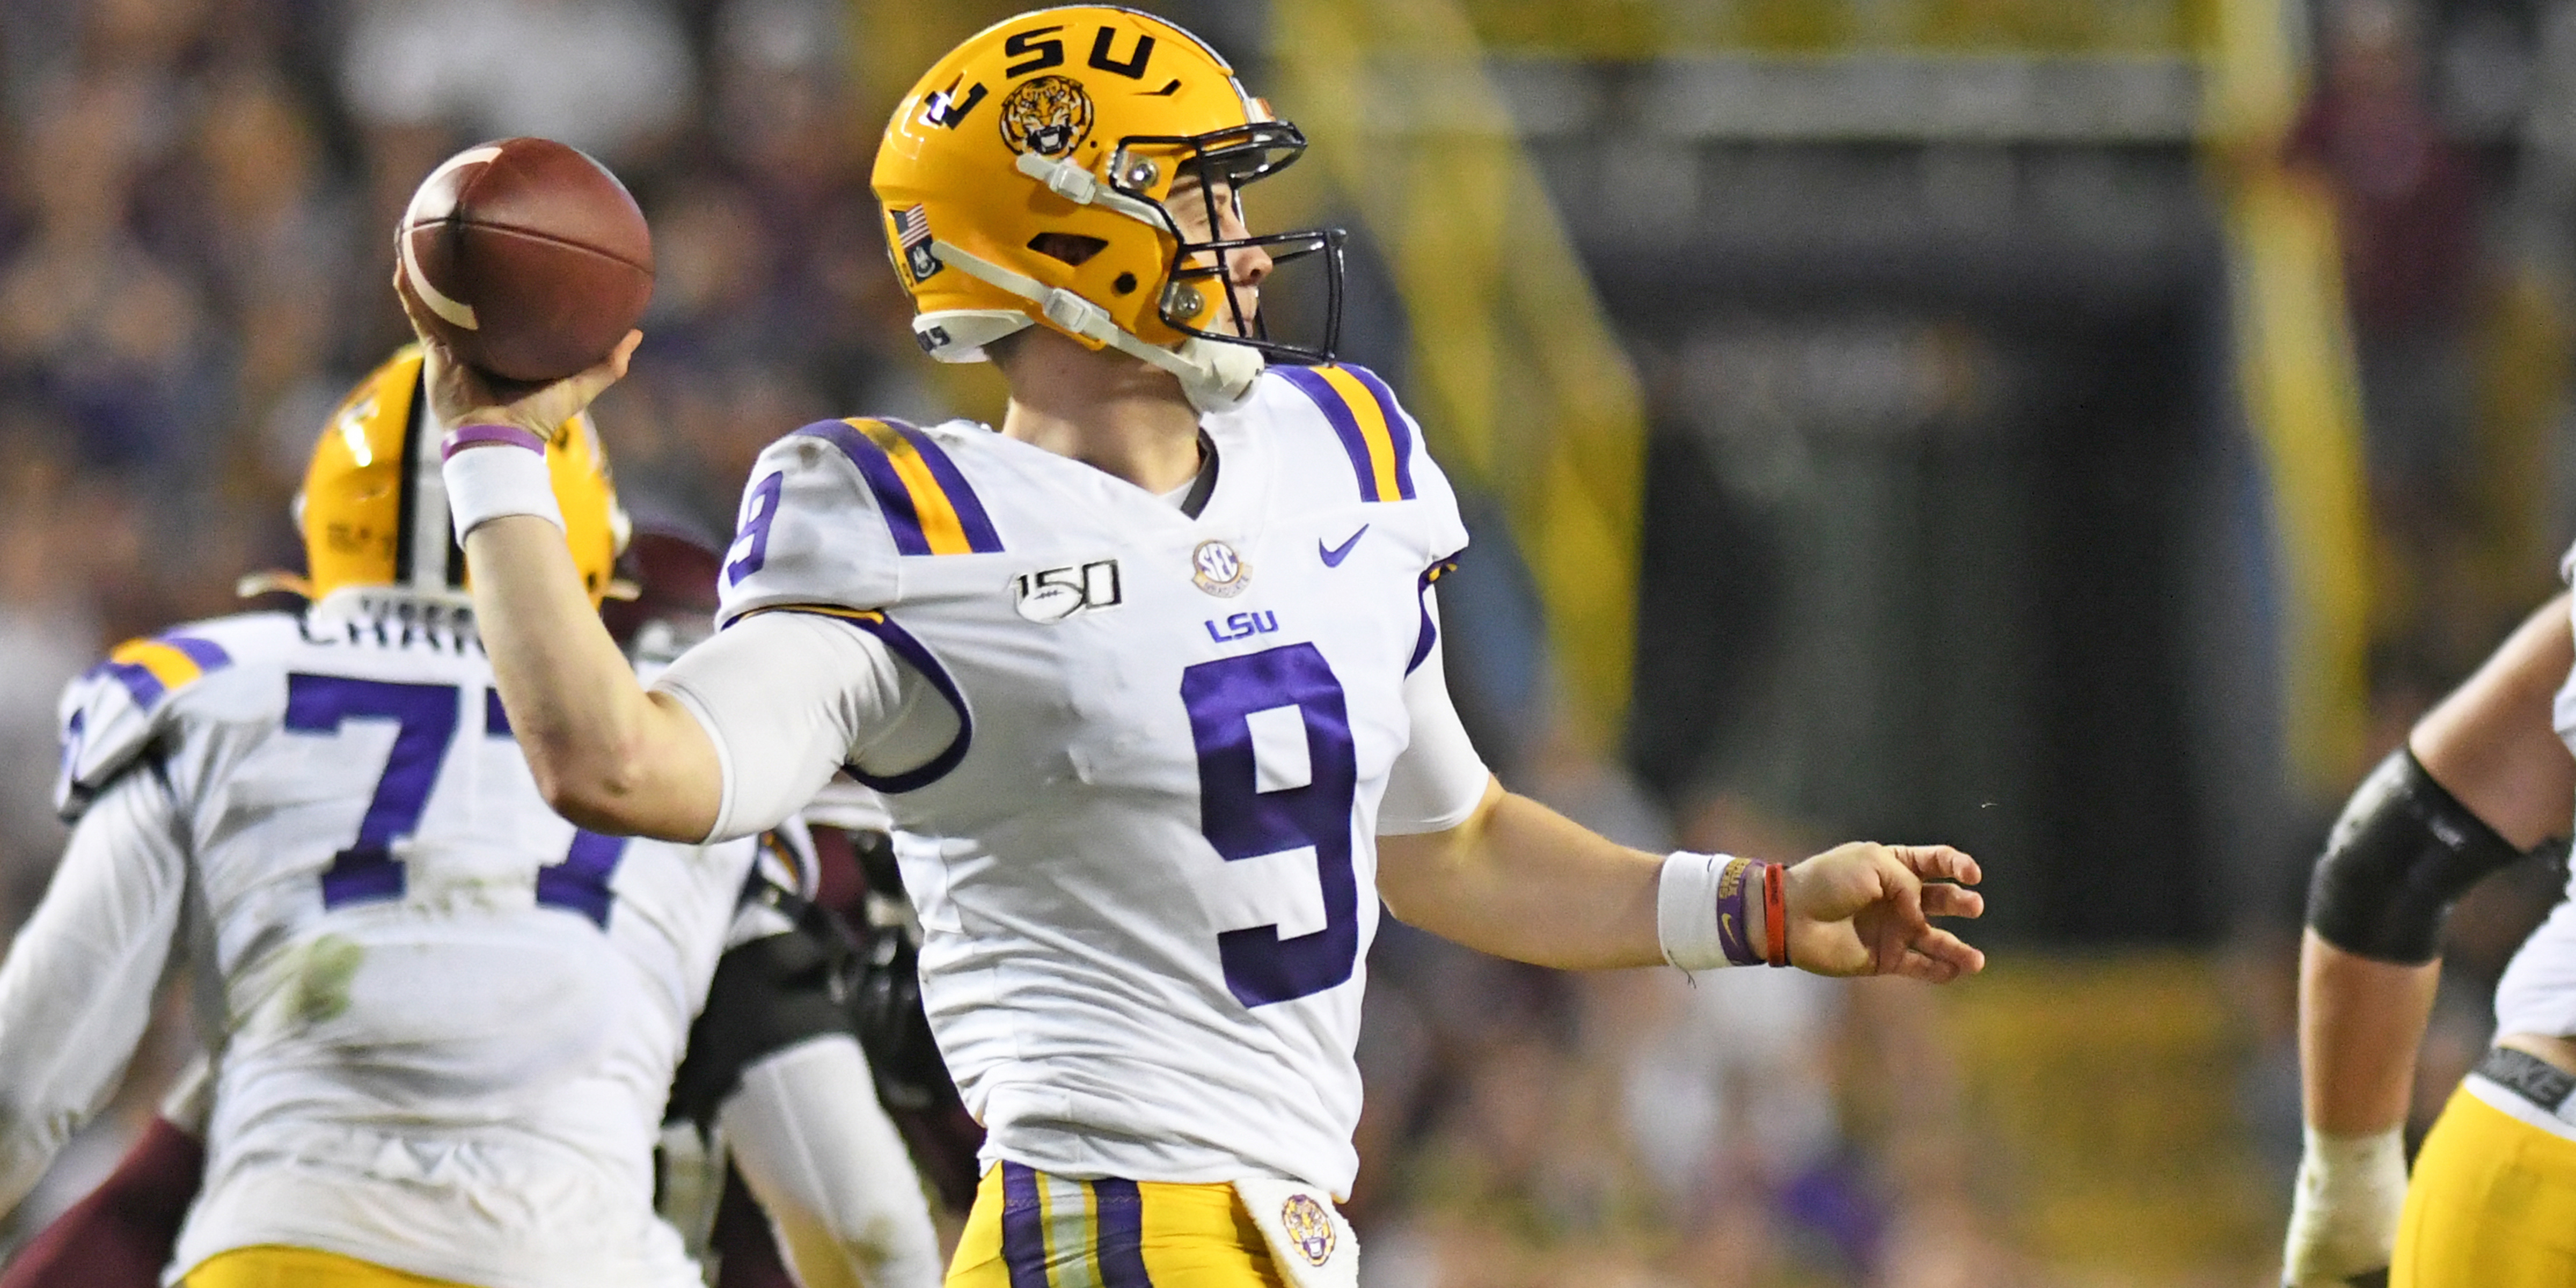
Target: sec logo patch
(1218, 570)
(1308, 1228)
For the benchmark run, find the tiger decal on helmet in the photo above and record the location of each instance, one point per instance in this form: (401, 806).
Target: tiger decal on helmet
(1047, 115)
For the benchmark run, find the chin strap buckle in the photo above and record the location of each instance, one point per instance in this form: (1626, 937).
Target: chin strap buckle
(1083, 188)
(1063, 178)
(1078, 315)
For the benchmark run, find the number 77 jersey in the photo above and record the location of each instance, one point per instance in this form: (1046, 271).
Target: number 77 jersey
(1146, 860)
(444, 1021)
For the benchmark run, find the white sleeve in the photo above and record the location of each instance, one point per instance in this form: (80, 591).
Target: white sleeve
(78, 984)
(790, 697)
(1439, 779)
(829, 1168)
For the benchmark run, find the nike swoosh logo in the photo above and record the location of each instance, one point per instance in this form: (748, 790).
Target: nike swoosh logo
(1333, 555)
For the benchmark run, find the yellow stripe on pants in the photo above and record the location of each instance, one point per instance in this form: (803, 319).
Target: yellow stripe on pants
(2492, 1204)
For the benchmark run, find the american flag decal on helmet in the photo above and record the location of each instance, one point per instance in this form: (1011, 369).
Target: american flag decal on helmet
(912, 232)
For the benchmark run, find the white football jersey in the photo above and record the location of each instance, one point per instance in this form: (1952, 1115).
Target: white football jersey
(443, 1021)
(1146, 864)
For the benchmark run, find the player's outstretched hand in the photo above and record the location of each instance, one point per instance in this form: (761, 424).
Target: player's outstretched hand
(1864, 909)
(462, 395)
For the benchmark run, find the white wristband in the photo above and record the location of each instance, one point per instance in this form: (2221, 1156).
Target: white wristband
(2343, 1215)
(493, 471)
(1686, 912)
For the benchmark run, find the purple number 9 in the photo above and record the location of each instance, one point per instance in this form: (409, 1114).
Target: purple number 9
(760, 509)
(1244, 822)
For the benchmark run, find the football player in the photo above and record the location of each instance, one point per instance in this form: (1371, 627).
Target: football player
(2483, 780)
(443, 1023)
(1149, 676)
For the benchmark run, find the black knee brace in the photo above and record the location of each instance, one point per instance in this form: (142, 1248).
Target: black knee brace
(2404, 851)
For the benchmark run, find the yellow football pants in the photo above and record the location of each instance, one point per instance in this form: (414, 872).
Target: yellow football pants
(2492, 1204)
(278, 1266)
(1032, 1230)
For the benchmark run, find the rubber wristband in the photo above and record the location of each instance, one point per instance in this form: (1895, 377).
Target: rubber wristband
(1775, 913)
(484, 484)
(458, 440)
(1734, 930)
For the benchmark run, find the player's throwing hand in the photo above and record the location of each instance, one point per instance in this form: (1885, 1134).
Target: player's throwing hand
(460, 394)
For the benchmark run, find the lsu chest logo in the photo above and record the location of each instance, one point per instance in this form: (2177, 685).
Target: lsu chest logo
(1054, 594)
(1242, 626)
(1310, 1231)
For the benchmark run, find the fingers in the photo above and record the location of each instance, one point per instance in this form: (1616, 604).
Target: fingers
(603, 373)
(1941, 900)
(1901, 891)
(1939, 957)
(412, 310)
(1937, 862)
(1930, 970)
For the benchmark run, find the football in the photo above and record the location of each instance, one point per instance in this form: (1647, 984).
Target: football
(526, 258)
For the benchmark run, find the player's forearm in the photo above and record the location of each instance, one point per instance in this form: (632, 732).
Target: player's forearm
(606, 754)
(2360, 1022)
(1523, 882)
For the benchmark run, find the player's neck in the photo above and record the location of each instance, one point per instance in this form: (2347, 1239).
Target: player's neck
(1102, 408)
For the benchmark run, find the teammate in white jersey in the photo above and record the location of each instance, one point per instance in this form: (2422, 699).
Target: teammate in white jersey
(442, 1022)
(1150, 678)
(2484, 780)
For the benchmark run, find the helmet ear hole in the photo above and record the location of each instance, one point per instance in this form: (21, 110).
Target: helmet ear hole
(1072, 248)
(1125, 285)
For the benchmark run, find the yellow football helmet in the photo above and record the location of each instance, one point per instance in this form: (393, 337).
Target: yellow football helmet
(374, 511)
(1077, 122)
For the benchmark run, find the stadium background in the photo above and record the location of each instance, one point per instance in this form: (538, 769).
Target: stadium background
(2086, 432)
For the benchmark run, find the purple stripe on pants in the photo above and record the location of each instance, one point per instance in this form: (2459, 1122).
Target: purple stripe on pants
(1122, 1234)
(1023, 1227)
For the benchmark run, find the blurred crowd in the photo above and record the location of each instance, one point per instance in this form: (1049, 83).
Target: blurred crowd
(196, 208)
(196, 202)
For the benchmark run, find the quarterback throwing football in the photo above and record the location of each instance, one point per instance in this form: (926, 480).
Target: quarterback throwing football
(1150, 678)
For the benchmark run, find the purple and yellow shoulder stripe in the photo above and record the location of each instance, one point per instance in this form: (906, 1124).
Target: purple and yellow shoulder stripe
(927, 503)
(151, 669)
(1373, 430)
(910, 648)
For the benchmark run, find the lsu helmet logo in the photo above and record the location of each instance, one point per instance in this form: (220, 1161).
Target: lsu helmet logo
(1308, 1228)
(1048, 115)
